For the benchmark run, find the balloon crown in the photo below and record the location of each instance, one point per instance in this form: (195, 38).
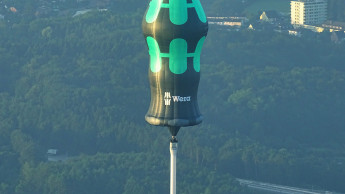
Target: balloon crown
(177, 10)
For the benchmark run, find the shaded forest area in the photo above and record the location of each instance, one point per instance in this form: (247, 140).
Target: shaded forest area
(273, 106)
(336, 10)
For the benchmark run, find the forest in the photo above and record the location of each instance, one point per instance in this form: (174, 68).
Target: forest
(273, 107)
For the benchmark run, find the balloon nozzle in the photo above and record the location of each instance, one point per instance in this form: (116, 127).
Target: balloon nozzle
(173, 139)
(174, 131)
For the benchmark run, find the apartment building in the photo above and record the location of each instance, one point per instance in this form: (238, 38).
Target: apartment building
(308, 12)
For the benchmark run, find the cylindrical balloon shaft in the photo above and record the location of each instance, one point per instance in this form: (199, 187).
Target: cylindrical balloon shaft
(175, 32)
(173, 154)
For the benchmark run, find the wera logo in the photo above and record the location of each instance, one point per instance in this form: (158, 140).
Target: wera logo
(168, 97)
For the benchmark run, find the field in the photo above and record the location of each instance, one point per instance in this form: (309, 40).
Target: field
(264, 5)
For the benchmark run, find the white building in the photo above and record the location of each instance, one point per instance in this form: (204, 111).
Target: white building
(53, 155)
(308, 12)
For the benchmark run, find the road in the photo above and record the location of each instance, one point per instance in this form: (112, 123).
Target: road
(272, 188)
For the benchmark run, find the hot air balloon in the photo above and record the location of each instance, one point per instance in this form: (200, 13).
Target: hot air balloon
(174, 31)
(13, 9)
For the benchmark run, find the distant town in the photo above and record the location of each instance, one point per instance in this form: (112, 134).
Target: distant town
(310, 15)
(304, 15)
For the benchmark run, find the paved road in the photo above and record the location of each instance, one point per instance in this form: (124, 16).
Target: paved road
(272, 188)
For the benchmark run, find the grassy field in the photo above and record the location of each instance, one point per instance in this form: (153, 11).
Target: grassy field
(264, 5)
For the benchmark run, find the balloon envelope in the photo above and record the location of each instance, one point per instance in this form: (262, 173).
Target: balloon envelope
(13, 9)
(175, 31)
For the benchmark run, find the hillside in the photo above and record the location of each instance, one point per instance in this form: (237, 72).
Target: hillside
(273, 106)
(33, 9)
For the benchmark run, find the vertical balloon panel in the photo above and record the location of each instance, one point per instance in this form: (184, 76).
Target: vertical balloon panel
(175, 31)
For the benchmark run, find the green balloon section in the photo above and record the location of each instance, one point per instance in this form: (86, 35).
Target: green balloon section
(175, 31)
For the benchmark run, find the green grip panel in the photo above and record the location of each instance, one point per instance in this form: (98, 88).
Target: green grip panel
(196, 60)
(200, 11)
(178, 12)
(153, 11)
(178, 56)
(154, 52)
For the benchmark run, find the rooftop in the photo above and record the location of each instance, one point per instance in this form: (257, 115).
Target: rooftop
(309, 1)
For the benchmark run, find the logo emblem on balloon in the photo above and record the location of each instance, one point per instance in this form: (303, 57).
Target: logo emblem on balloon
(167, 98)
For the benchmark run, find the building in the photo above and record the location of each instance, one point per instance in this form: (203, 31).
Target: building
(227, 21)
(308, 12)
(313, 28)
(250, 27)
(295, 33)
(81, 12)
(269, 16)
(53, 155)
(334, 26)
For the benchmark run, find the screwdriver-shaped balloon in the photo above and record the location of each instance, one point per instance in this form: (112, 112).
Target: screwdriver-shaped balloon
(175, 31)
